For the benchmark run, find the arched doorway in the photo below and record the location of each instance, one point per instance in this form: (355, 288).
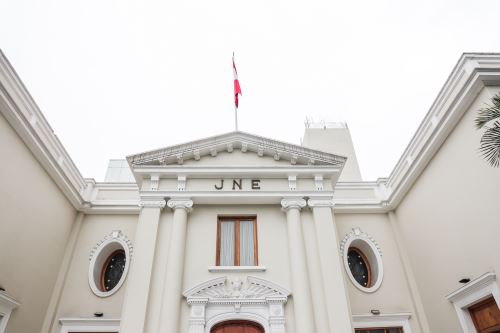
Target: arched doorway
(237, 326)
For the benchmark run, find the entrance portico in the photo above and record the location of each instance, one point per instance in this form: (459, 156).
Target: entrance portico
(241, 170)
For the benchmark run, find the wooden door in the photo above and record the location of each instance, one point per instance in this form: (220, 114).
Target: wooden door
(238, 326)
(486, 316)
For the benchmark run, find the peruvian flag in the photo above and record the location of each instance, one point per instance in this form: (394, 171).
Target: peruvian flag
(237, 88)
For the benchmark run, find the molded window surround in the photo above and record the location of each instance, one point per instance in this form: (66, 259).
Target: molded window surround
(368, 247)
(7, 305)
(99, 255)
(382, 320)
(70, 325)
(472, 293)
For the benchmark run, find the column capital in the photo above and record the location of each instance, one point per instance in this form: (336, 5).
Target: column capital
(320, 202)
(183, 203)
(288, 203)
(152, 203)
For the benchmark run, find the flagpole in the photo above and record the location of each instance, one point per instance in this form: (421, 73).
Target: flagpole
(236, 118)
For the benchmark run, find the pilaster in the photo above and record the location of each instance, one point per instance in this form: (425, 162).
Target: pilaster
(172, 294)
(304, 319)
(336, 297)
(139, 279)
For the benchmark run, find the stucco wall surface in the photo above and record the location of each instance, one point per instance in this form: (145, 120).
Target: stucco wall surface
(449, 219)
(35, 221)
(201, 249)
(77, 299)
(393, 296)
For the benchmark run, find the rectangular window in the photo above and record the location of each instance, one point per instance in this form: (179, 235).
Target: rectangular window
(237, 241)
(379, 330)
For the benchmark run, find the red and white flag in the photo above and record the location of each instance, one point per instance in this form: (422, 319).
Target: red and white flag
(237, 88)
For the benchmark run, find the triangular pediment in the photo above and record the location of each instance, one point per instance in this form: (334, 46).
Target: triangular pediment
(235, 141)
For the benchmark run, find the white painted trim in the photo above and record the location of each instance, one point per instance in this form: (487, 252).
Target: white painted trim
(7, 305)
(472, 293)
(371, 250)
(114, 241)
(221, 299)
(22, 113)
(93, 324)
(237, 140)
(237, 316)
(236, 269)
(382, 320)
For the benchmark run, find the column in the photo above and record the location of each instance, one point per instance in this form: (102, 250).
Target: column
(316, 279)
(139, 277)
(172, 293)
(337, 302)
(304, 319)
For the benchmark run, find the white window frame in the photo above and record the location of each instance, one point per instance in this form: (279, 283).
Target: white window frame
(116, 240)
(386, 320)
(472, 293)
(370, 248)
(7, 305)
(69, 325)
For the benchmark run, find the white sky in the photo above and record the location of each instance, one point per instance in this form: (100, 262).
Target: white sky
(117, 77)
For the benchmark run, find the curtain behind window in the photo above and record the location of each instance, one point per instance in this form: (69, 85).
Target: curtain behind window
(246, 243)
(227, 243)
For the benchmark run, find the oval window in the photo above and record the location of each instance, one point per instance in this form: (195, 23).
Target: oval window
(112, 270)
(109, 263)
(362, 260)
(359, 267)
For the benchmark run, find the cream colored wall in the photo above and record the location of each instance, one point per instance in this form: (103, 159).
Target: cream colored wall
(77, 299)
(272, 247)
(335, 141)
(449, 220)
(35, 221)
(393, 296)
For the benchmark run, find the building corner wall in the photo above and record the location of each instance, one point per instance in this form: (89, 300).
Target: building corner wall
(448, 219)
(37, 219)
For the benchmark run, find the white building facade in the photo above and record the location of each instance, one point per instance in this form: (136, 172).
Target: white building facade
(240, 233)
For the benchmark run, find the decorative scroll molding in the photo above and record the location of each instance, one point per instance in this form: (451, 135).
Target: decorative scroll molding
(292, 183)
(323, 202)
(155, 182)
(186, 204)
(319, 183)
(115, 235)
(289, 203)
(151, 203)
(181, 183)
(357, 233)
(223, 299)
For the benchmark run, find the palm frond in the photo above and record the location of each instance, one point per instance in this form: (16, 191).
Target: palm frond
(490, 146)
(488, 113)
